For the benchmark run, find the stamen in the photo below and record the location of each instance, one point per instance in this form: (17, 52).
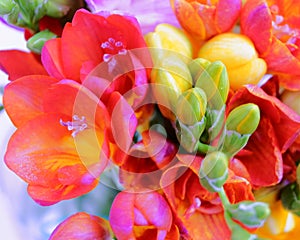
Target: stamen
(76, 125)
(112, 47)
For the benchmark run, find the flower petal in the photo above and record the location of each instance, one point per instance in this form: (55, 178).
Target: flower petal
(23, 98)
(82, 226)
(39, 150)
(18, 64)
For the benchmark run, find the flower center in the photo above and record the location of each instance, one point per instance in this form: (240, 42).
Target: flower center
(76, 125)
(112, 47)
(281, 29)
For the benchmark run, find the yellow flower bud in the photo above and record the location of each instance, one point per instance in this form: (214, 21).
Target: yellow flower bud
(197, 66)
(169, 81)
(191, 106)
(171, 38)
(243, 119)
(214, 171)
(238, 54)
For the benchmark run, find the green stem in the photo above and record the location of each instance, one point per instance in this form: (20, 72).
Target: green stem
(204, 148)
(224, 198)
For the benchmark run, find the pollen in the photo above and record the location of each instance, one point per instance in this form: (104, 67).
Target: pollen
(77, 124)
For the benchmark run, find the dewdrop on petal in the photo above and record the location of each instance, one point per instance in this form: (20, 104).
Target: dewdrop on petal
(238, 54)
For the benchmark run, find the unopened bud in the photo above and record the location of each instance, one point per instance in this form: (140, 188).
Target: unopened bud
(290, 197)
(170, 80)
(191, 106)
(249, 213)
(58, 8)
(214, 81)
(170, 38)
(6, 7)
(197, 66)
(214, 171)
(243, 119)
(37, 41)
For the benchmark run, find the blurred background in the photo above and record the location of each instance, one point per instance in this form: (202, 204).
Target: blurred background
(19, 215)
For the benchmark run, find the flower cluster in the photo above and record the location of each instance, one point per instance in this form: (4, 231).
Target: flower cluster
(199, 118)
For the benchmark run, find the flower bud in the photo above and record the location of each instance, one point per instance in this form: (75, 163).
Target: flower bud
(6, 7)
(243, 119)
(214, 81)
(37, 41)
(238, 54)
(249, 213)
(197, 66)
(58, 8)
(191, 106)
(214, 171)
(171, 38)
(169, 81)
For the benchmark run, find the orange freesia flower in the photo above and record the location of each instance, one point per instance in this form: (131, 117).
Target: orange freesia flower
(60, 147)
(274, 28)
(204, 19)
(82, 226)
(198, 212)
(144, 215)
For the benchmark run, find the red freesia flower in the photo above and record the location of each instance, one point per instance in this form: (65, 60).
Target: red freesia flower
(205, 19)
(144, 215)
(82, 226)
(278, 128)
(274, 28)
(199, 212)
(89, 40)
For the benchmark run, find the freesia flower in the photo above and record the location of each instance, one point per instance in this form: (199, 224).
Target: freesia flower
(82, 226)
(278, 123)
(144, 215)
(205, 19)
(274, 27)
(60, 147)
(238, 54)
(148, 15)
(199, 212)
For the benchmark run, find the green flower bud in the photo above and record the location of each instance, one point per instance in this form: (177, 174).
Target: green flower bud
(214, 171)
(169, 80)
(6, 7)
(214, 81)
(58, 8)
(37, 41)
(244, 119)
(249, 213)
(197, 66)
(290, 197)
(191, 106)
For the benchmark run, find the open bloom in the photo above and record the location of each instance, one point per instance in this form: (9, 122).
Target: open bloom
(204, 19)
(278, 123)
(274, 28)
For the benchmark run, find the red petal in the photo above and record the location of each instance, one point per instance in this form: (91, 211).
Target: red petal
(23, 98)
(256, 23)
(40, 149)
(18, 64)
(82, 226)
(52, 59)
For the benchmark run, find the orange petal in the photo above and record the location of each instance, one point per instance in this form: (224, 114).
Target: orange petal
(23, 98)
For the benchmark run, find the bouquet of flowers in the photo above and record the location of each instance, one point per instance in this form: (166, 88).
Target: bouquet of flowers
(187, 109)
